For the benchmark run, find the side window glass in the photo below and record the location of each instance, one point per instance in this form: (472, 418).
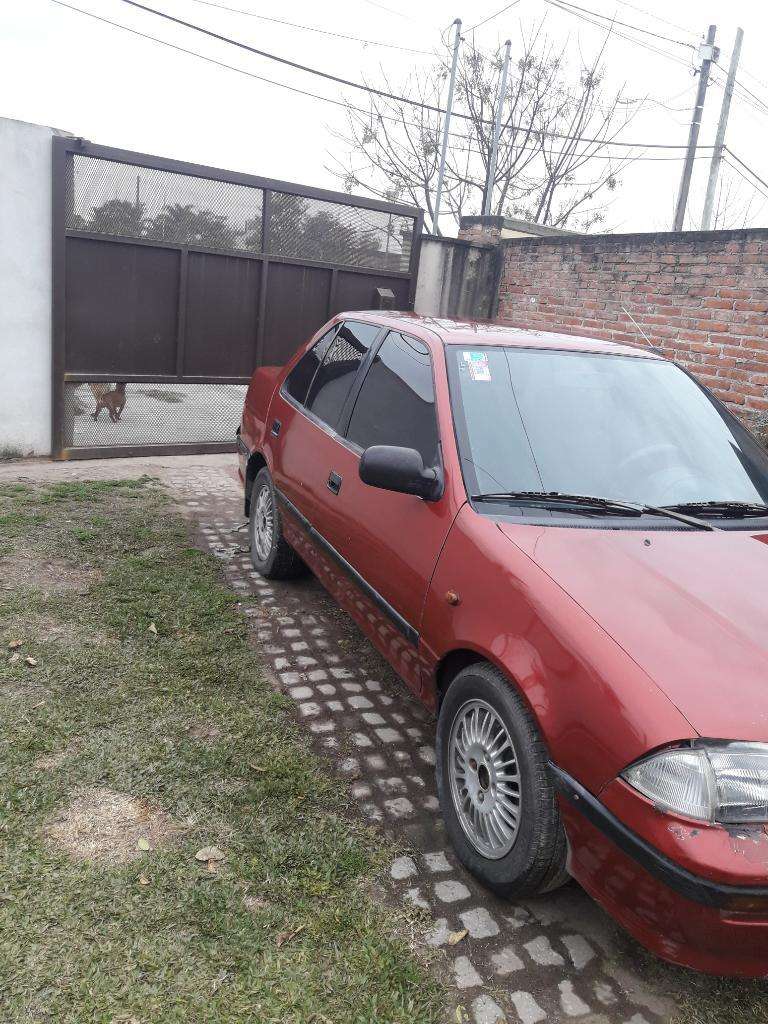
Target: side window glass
(333, 381)
(298, 380)
(396, 404)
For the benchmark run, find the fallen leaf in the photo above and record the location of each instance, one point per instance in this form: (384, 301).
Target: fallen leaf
(209, 853)
(284, 937)
(257, 767)
(14, 658)
(30, 661)
(153, 628)
(15, 644)
(455, 937)
(143, 880)
(143, 844)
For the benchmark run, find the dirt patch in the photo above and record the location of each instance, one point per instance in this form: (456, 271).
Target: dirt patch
(49, 762)
(205, 732)
(49, 575)
(102, 825)
(36, 629)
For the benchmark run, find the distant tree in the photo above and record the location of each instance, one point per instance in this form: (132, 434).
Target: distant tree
(186, 223)
(116, 217)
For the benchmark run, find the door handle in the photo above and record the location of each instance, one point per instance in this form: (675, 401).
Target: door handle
(276, 424)
(334, 483)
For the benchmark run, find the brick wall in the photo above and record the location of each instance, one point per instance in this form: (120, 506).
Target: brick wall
(701, 297)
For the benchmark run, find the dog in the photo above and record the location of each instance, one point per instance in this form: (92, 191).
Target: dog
(111, 400)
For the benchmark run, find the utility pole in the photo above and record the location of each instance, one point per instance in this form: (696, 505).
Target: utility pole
(446, 126)
(708, 53)
(717, 152)
(487, 201)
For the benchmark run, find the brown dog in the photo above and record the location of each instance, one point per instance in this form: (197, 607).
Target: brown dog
(112, 401)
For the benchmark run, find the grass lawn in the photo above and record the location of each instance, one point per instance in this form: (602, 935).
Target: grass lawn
(136, 731)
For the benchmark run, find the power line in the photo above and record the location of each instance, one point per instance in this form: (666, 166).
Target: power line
(312, 28)
(746, 167)
(745, 179)
(657, 17)
(625, 24)
(621, 35)
(490, 17)
(372, 90)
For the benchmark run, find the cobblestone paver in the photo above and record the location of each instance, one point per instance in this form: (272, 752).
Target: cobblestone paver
(552, 959)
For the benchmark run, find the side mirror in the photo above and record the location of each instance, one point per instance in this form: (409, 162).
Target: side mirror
(400, 469)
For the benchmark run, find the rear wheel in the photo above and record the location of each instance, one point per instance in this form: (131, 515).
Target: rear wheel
(495, 792)
(271, 554)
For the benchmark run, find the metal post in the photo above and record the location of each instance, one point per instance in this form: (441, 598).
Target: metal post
(487, 201)
(717, 152)
(446, 126)
(708, 53)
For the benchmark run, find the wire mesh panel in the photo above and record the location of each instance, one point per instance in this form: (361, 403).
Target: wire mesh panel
(115, 414)
(313, 229)
(112, 198)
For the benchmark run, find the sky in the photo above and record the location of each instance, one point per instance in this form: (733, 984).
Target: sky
(63, 69)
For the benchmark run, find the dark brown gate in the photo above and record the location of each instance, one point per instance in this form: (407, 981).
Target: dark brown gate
(173, 281)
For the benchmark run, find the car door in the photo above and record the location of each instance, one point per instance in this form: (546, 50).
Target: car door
(305, 414)
(390, 541)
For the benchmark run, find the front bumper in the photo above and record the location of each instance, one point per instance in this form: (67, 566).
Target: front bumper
(696, 896)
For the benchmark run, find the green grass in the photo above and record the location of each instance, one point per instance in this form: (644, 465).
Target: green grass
(86, 941)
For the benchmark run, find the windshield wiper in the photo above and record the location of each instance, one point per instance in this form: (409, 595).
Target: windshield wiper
(724, 509)
(545, 499)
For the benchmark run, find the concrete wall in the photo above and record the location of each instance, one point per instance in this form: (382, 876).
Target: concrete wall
(456, 278)
(25, 288)
(701, 297)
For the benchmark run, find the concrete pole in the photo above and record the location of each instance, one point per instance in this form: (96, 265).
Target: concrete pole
(708, 52)
(488, 200)
(717, 152)
(446, 126)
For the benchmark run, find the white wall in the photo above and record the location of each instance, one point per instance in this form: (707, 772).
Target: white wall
(25, 287)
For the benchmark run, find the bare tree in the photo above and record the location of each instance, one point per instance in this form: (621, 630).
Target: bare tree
(554, 161)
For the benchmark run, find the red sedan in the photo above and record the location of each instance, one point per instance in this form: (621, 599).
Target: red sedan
(560, 545)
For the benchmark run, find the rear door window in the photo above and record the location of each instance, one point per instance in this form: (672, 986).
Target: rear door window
(298, 380)
(396, 404)
(332, 383)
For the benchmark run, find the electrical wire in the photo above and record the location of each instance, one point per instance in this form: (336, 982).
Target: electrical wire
(371, 90)
(746, 167)
(492, 16)
(625, 24)
(313, 28)
(621, 35)
(744, 178)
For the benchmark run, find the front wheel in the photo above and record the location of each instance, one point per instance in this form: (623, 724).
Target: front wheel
(496, 795)
(271, 554)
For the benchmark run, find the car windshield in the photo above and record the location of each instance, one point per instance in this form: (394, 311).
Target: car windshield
(621, 427)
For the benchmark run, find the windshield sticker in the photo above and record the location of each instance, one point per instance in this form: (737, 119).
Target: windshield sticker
(478, 365)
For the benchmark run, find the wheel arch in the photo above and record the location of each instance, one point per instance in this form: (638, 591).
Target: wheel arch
(459, 658)
(256, 462)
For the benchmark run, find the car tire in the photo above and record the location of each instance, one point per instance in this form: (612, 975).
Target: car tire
(514, 859)
(271, 554)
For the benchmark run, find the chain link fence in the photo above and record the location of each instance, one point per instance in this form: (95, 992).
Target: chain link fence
(117, 415)
(108, 197)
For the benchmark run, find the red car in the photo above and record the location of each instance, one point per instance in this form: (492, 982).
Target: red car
(561, 545)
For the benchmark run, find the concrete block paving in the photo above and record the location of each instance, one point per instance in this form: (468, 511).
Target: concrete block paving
(547, 959)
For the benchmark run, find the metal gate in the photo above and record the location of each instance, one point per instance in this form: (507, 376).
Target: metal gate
(173, 281)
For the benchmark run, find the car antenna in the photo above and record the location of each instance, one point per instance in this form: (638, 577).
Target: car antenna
(652, 347)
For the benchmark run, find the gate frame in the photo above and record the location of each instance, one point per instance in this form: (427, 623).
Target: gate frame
(65, 148)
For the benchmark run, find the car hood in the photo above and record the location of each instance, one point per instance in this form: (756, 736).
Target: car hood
(689, 607)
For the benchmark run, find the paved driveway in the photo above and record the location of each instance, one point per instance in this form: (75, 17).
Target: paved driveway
(556, 958)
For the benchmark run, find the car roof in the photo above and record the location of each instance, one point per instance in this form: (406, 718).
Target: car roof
(487, 332)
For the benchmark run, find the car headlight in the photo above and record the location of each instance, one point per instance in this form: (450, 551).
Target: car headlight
(714, 781)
